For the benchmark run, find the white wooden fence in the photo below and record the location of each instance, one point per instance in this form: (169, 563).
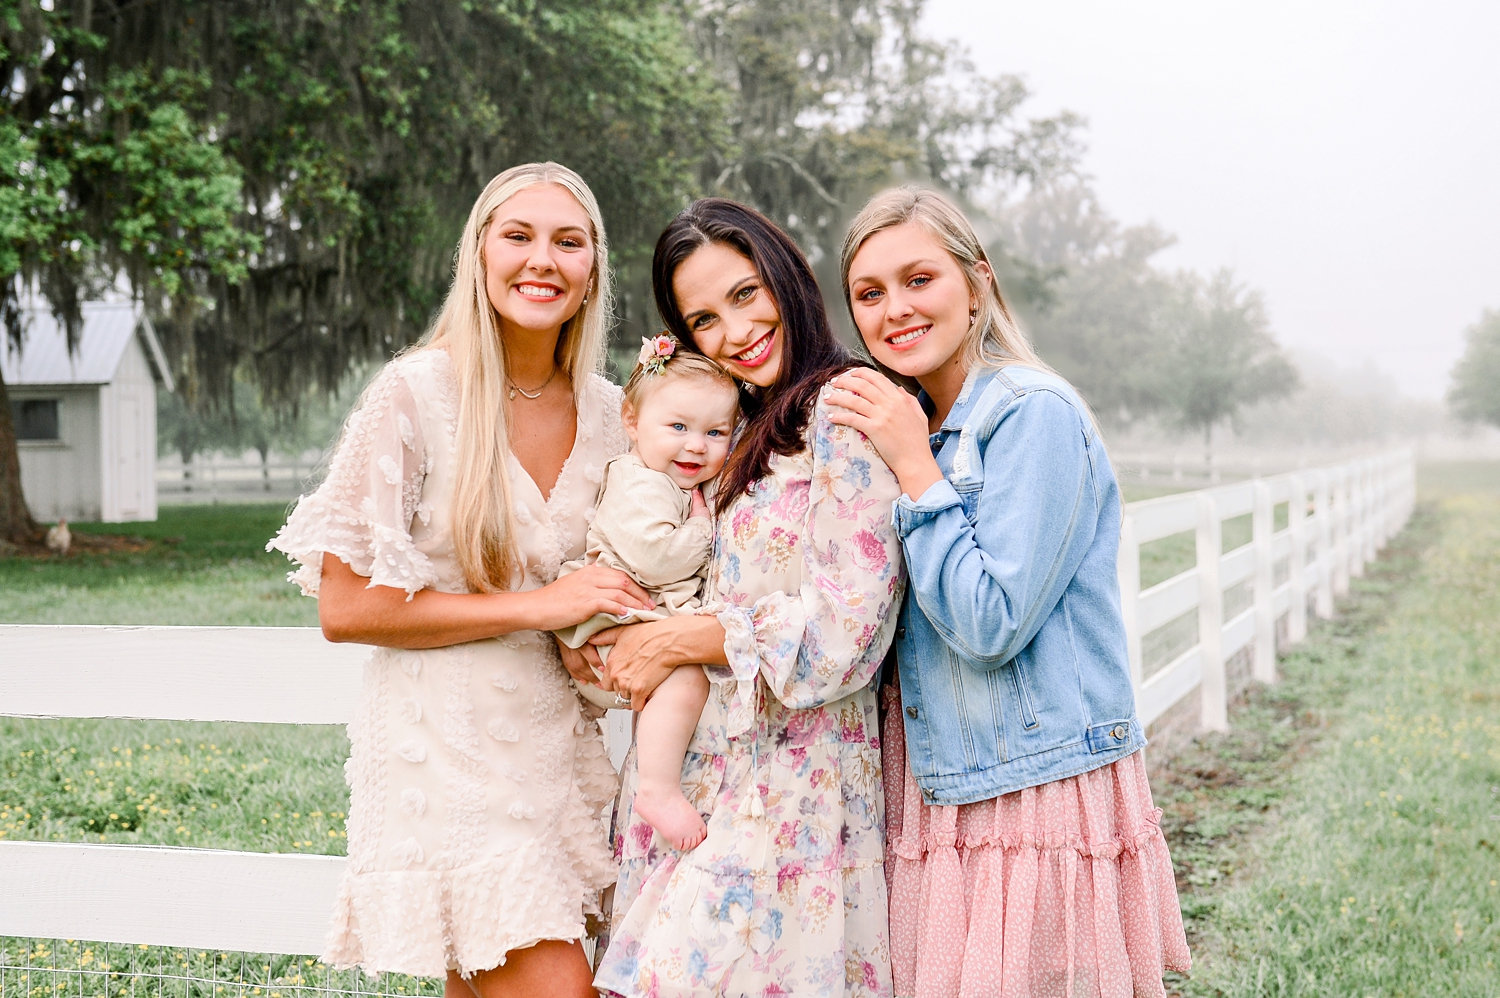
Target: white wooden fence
(234, 477)
(1337, 519)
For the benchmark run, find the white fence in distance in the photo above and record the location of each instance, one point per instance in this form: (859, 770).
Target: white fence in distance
(1337, 518)
(213, 478)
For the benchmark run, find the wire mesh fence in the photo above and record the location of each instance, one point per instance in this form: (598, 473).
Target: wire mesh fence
(57, 968)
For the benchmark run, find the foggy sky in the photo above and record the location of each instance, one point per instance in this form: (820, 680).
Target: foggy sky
(1342, 156)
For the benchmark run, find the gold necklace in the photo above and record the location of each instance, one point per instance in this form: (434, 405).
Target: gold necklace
(531, 395)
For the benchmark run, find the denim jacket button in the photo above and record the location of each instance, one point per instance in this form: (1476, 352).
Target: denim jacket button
(911, 712)
(1118, 731)
(900, 633)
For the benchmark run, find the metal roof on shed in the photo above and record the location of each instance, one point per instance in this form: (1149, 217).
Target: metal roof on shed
(44, 358)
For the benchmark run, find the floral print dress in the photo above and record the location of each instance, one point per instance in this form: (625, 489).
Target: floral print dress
(786, 895)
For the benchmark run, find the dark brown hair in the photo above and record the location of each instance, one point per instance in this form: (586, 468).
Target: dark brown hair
(776, 416)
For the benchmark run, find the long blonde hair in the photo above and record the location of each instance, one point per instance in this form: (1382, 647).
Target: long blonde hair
(484, 533)
(994, 340)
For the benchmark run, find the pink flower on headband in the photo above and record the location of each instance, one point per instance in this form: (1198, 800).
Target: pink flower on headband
(656, 351)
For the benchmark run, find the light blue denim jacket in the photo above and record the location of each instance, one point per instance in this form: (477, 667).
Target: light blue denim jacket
(1010, 645)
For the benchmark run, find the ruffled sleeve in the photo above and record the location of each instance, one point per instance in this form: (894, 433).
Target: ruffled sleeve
(826, 639)
(363, 511)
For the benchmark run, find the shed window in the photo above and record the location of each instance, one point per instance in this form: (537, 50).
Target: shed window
(35, 419)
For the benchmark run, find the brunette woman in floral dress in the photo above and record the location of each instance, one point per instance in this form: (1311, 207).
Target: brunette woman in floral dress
(786, 895)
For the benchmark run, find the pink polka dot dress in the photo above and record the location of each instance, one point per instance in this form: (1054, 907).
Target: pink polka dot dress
(1065, 889)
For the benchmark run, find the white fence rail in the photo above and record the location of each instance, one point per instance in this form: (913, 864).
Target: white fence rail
(1336, 519)
(234, 478)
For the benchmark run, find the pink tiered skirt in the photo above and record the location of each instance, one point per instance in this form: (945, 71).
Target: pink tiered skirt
(1062, 890)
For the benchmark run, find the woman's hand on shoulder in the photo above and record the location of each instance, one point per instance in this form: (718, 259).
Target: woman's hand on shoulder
(892, 419)
(579, 595)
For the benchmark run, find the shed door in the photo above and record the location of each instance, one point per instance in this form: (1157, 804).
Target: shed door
(129, 457)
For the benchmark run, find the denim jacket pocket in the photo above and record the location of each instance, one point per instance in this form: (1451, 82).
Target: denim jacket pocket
(1020, 690)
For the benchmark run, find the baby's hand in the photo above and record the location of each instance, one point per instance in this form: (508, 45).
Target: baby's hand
(699, 504)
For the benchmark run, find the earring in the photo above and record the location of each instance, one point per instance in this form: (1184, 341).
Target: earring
(973, 314)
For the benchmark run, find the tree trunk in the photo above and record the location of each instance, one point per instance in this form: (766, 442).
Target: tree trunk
(16, 523)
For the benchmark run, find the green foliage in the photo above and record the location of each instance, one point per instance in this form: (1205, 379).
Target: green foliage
(283, 181)
(1474, 394)
(109, 171)
(1102, 316)
(834, 101)
(1134, 340)
(28, 192)
(1218, 355)
(246, 420)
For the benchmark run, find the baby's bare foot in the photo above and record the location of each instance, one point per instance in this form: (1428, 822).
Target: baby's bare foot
(669, 812)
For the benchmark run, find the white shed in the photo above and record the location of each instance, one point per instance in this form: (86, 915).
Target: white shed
(86, 420)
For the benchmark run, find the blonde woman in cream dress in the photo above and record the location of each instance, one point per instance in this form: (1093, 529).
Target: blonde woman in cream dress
(464, 478)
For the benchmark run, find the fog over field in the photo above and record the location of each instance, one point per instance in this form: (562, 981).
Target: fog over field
(1339, 155)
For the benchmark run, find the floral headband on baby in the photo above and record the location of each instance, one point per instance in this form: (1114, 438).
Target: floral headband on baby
(656, 351)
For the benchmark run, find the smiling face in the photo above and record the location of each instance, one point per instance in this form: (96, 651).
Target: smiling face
(911, 302)
(538, 258)
(682, 427)
(729, 314)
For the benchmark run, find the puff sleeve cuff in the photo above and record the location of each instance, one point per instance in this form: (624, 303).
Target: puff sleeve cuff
(362, 513)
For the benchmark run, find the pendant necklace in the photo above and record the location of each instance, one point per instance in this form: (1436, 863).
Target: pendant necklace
(531, 395)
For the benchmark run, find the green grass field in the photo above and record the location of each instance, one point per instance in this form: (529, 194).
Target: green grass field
(1342, 838)
(199, 565)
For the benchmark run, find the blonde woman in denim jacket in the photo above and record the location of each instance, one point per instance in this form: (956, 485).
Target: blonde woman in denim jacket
(1024, 855)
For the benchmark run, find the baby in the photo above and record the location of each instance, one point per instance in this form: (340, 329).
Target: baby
(653, 523)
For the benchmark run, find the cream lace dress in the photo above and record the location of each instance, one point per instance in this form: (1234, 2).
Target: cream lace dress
(479, 788)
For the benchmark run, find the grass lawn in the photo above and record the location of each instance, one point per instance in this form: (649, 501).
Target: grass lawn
(198, 565)
(1342, 838)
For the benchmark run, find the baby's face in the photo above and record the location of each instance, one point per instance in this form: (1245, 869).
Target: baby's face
(682, 428)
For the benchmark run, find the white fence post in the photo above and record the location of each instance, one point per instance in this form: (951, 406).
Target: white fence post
(1210, 546)
(1339, 507)
(1323, 516)
(1359, 521)
(1263, 665)
(1128, 570)
(1296, 522)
